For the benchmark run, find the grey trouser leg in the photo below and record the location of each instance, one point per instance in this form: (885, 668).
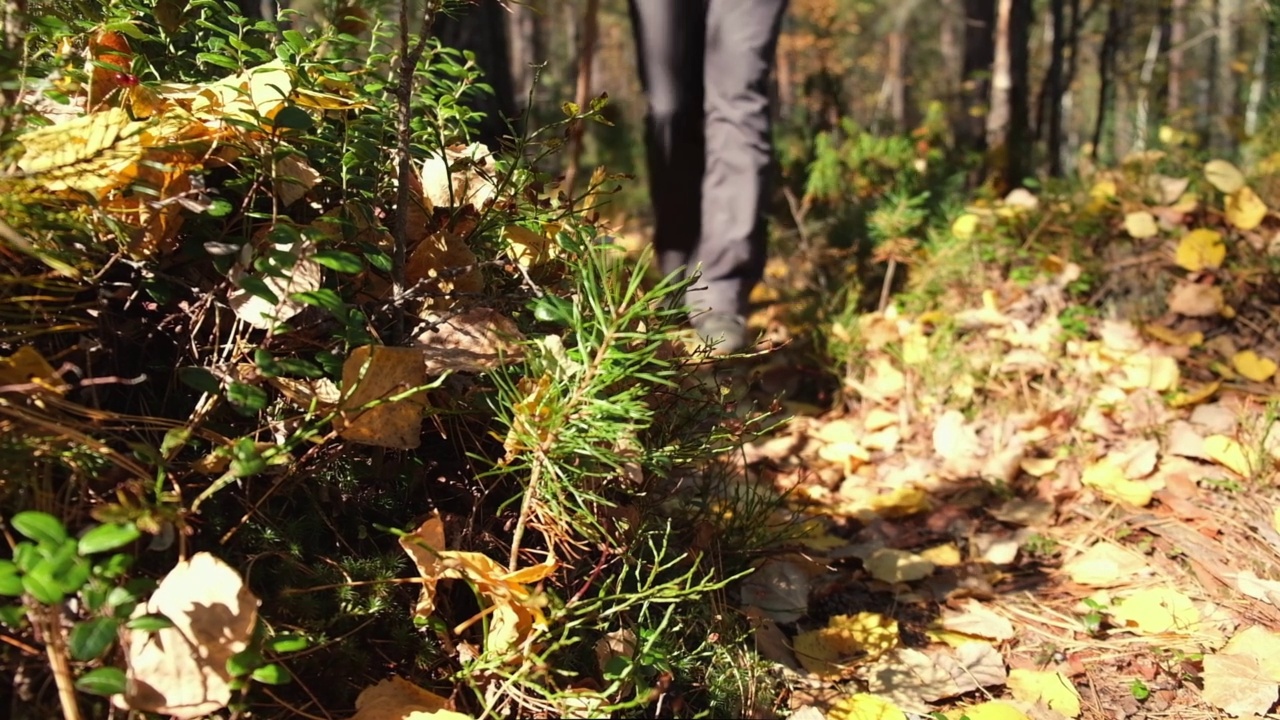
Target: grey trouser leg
(705, 67)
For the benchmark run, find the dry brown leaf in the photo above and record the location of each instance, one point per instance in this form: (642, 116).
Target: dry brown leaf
(771, 643)
(1106, 565)
(1268, 591)
(475, 340)
(1260, 644)
(181, 671)
(399, 699)
(294, 176)
(424, 546)
(974, 618)
(1137, 459)
(956, 442)
(460, 175)
(378, 373)
(1237, 685)
(305, 276)
(780, 588)
(1196, 300)
(1021, 511)
(911, 678)
(442, 264)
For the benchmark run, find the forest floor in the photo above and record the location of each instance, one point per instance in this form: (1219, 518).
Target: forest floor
(1029, 501)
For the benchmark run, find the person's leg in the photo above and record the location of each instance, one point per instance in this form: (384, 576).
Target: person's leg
(741, 40)
(669, 43)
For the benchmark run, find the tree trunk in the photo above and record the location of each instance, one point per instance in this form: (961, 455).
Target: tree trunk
(523, 27)
(482, 29)
(1049, 126)
(1258, 86)
(979, 54)
(1006, 128)
(582, 93)
(1226, 88)
(1177, 38)
(1106, 68)
(1142, 115)
(896, 74)
(951, 49)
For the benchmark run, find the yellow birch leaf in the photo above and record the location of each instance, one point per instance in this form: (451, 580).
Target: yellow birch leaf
(1252, 366)
(1224, 176)
(1051, 688)
(1157, 610)
(964, 226)
(865, 706)
(381, 374)
(915, 347)
(1231, 454)
(1108, 479)
(1195, 397)
(27, 366)
(1141, 224)
(896, 566)
(1201, 249)
(942, 555)
(1103, 190)
(1245, 210)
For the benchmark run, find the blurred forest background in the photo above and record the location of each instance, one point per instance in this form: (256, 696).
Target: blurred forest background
(1026, 88)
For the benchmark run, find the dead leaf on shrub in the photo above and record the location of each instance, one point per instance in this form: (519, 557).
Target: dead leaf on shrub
(182, 670)
(424, 546)
(442, 264)
(376, 373)
(399, 699)
(306, 275)
(475, 340)
(460, 175)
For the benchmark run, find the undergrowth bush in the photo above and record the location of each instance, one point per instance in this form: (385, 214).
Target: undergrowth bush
(233, 325)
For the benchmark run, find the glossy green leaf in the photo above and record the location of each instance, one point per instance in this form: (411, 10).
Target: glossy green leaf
(88, 640)
(287, 644)
(272, 675)
(149, 623)
(107, 537)
(103, 681)
(39, 526)
(41, 585)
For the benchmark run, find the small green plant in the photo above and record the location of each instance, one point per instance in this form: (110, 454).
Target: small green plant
(1076, 321)
(1041, 545)
(1139, 690)
(1094, 619)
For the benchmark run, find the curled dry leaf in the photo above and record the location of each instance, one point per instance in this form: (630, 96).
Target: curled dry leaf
(399, 699)
(383, 375)
(181, 671)
(442, 265)
(780, 588)
(475, 340)
(460, 175)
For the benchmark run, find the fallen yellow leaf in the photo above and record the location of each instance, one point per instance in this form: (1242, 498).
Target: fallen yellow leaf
(1224, 176)
(1157, 610)
(385, 376)
(1108, 479)
(1105, 565)
(1172, 337)
(964, 226)
(1051, 688)
(1245, 210)
(865, 706)
(1253, 366)
(1197, 396)
(866, 635)
(994, 710)
(900, 502)
(1201, 249)
(896, 566)
(1232, 455)
(942, 555)
(1141, 224)
(1261, 644)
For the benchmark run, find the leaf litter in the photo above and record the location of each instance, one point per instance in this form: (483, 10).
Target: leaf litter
(1057, 524)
